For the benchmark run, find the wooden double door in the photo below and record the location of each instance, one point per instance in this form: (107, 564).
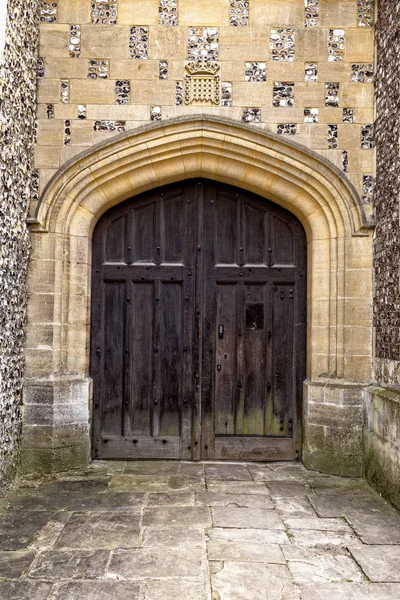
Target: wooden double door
(198, 326)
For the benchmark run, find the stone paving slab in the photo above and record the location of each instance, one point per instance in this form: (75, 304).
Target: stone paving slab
(24, 590)
(98, 590)
(255, 536)
(190, 517)
(235, 500)
(174, 590)
(69, 564)
(252, 581)
(191, 531)
(379, 563)
(140, 563)
(312, 564)
(100, 530)
(14, 564)
(244, 552)
(252, 518)
(350, 591)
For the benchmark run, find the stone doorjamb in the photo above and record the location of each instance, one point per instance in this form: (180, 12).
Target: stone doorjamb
(57, 388)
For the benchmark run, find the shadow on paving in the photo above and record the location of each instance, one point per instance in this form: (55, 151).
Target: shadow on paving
(194, 531)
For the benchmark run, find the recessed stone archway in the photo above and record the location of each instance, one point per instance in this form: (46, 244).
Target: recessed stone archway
(57, 398)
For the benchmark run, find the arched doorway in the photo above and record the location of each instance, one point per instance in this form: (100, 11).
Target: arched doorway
(198, 326)
(58, 387)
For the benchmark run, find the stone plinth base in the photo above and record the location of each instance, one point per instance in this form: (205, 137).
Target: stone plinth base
(55, 434)
(382, 441)
(333, 427)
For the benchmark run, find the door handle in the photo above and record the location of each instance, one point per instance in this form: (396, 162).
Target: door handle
(220, 331)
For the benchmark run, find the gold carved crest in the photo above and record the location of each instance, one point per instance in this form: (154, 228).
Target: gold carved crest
(201, 83)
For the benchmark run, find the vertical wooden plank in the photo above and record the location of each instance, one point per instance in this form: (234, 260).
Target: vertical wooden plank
(190, 434)
(171, 358)
(208, 312)
(225, 358)
(156, 347)
(114, 357)
(282, 242)
(282, 356)
(142, 357)
(143, 233)
(115, 241)
(254, 234)
(172, 227)
(240, 360)
(254, 361)
(226, 229)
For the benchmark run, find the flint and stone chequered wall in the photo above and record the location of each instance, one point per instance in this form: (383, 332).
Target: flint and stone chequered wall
(17, 123)
(302, 71)
(387, 196)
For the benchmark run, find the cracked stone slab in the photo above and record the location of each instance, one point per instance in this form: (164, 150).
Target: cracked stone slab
(237, 487)
(224, 472)
(294, 507)
(249, 518)
(255, 536)
(379, 563)
(69, 564)
(321, 565)
(50, 532)
(285, 489)
(14, 564)
(173, 536)
(17, 532)
(294, 473)
(308, 537)
(338, 505)
(350, 591)
(121, 501)
(175, 590)
(144, 563)
(184, 515)
(100, 530)
(152, 466)
(171, 499)
(383, 527)
(24, 590)
(244, 552)
(252, 581)
(151, 483)
(318, 524)
(99, 590)
(238, 500)
(332, 484)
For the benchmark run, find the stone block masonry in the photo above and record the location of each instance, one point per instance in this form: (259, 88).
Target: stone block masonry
(386, 196)
(17, 183)
(257, 46)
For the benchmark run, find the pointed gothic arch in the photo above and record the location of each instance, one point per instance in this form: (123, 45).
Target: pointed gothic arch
(315, 191)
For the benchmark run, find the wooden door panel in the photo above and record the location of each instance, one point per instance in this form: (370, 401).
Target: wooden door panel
(198, 326)
(115, 244)
(141, 356)
(253, 252)
(142, 234)
(255, 224)
(170, 359)
(255, 394)
(282, 351)
(173, 229)
(113, 357)
(225, 359)
(226, 223)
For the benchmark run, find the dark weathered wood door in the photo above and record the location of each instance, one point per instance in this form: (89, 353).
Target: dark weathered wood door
(198, 326)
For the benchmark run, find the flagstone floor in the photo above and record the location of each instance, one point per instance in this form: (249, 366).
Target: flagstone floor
(193, 531)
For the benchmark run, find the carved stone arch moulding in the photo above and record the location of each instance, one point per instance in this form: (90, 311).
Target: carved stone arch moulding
(339, 275)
